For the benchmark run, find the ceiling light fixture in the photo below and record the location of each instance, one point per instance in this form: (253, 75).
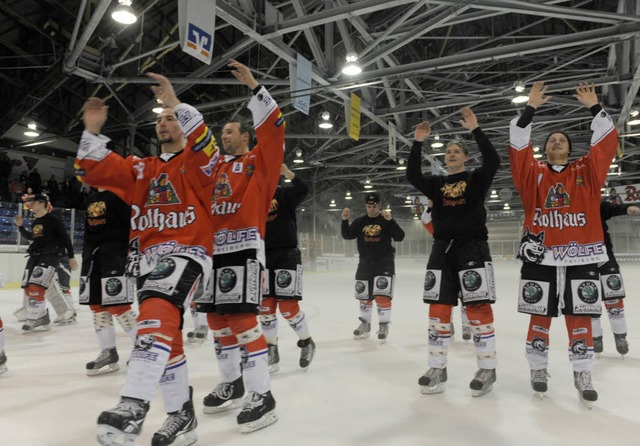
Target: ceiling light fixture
(401, 165)
(332, 204)
(124, 13)
(32, 131)
(635, 114)
(520, 99)
(298, 159)
(348, 196)
(325, 123)
(506, 207)
(494, 193)
(158, 108)
(437, 144)
(519, 86)
(351, 68)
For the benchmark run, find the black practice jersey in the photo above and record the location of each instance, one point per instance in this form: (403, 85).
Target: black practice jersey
(49, 236)
(458, 200)
(282, 229)
(374, 237)
(607, 211)
(107, 220)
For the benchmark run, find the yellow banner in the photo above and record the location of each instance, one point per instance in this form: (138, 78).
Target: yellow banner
(354, 118)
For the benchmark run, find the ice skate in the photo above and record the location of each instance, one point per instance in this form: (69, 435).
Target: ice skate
(225, 396)
(179, 427)
(482, 382)
(125, 420)
(598, 345)
(257, 412)
(106, 362)
(274, 358)
(466, 332)
(433, 381)
(66, 318)
(3, 362)
(621, 343)
(539, 382)
(586, 392)
(383, 332)
(307, 352)
(198, 335)
(35, 325)
(363, 330)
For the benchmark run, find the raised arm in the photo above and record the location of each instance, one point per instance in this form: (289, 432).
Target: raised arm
(490, 158)
(94, 163)
(298, 190)
(414, 162)
(346, 229)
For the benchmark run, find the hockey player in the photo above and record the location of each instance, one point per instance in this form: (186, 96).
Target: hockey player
(376, 268)
(245, 182)
(562, 241)
(50, 243)
(3, 356)
(611, 281)
(103, 285)
(58, 293)
(460, 261)
(427, 222)
(170, 248)
(283, 276)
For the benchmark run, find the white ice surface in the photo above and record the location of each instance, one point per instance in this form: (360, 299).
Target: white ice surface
(355, 392)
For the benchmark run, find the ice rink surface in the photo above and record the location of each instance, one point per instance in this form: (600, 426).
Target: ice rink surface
(355, 392)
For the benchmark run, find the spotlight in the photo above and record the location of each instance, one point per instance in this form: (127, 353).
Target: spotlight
(124, 13)
(325, 123)
(519, 86)
(32, 131)
(351, 68)
(298, 159)
(437, 144)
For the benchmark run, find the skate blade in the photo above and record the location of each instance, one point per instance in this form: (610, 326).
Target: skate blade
(39, 329)
(226, 406)
(538, 395)
(477, 393)
(585, 403)
(109, 368)
(362, 336)
(438, 388)
(273, 368)
(382, 341)
(186, 439)
(3, 369)
(110, 436)
(65, 322)
(267, 420)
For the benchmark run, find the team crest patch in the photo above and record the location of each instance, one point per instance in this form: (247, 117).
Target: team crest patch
(372, 230)
(532, 247)
(161, 191)
(249, 169)
(97, 209)
(222, 188)
(579, 180)
(557, 197)
(273, 210)
(454, 190)
(38, 230)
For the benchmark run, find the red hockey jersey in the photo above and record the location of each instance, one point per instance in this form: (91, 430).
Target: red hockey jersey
(562, 209)
(244, 185)
(170, 200)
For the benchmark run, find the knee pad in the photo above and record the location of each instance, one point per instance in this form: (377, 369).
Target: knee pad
(160, 318)
(127, 320)
(440, 312)
(268, 306)
(480, 314)
(289, 308)
(102, 320)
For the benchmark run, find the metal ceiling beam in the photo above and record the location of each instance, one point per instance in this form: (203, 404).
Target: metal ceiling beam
(599, 36)
(310, 36)
(332, 15)
(87, 32)
(401, 20)
(277, 46)
(538, 9)
(444, 14)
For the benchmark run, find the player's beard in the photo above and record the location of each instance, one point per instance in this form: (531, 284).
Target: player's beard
(167, 140)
